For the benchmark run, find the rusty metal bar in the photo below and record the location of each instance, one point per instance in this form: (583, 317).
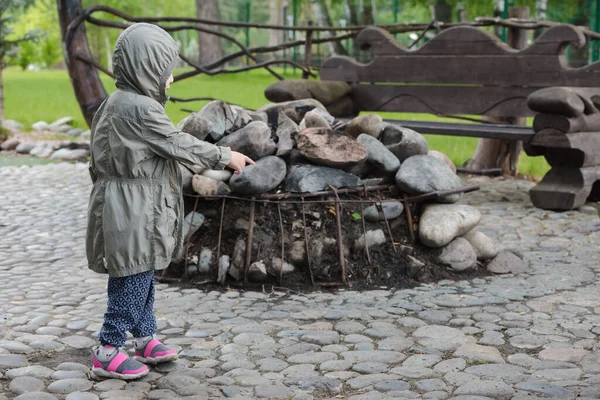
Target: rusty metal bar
(249, 242)
(310, 273)
(220, 236)
(282, 242)
(340, 243)
(409, 220)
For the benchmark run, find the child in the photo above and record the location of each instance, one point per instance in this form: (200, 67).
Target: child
(135, 211)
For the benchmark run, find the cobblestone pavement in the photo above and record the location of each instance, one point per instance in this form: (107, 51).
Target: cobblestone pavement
(504, 337)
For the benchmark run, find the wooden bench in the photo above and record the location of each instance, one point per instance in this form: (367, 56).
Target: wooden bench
(467, 71)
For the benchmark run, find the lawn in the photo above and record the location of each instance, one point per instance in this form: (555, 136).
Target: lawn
(48, 95)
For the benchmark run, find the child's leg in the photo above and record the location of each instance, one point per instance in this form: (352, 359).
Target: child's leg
(126, 302)
(147, 349)
(146, 324)
(127, 298)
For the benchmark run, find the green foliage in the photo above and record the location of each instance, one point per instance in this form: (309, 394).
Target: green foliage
(50, 52)
(27, 54)
(10, 10)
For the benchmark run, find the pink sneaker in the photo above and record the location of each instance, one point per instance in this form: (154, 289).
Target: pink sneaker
(154, 352)
(119, 366)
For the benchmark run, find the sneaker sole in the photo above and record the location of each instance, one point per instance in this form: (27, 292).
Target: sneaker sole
(100, 373)
(156, 360)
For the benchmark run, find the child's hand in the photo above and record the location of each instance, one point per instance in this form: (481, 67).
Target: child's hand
(238, 162)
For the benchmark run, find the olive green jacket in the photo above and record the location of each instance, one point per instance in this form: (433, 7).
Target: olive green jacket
(135, 211)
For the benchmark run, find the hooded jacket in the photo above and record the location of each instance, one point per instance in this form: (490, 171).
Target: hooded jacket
(135, 211)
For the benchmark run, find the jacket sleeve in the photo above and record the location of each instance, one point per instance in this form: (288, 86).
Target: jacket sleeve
(166, 140)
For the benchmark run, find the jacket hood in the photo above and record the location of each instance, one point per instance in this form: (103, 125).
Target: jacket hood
(144, 58)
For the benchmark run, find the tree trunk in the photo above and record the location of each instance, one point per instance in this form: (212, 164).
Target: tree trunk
(494, 153)
(541, 8)
(1, 90)
(352, 6)
(86, 82)
(321, 12)
(461, 11)
(209, 46)
(368, 17)
(275, 18)
(441, 10)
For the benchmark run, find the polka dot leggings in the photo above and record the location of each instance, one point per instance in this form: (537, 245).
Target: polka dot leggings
(130, 303)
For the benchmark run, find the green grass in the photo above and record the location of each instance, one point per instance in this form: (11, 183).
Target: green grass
(48, 95)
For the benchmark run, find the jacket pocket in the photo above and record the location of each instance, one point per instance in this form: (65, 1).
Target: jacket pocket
(171, 215)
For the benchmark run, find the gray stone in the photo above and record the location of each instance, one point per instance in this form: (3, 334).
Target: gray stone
(181, 384)
(372, 238)
(222, 175)
(295, 109)
(369, 124)
(370, 367)
(274, 268)
(379, 155)
(110, 384)
(70, 154)
(257, 272)
(429, 385)
(35, 371)
(9, 361)
(254, 140)
(78, 342)
(224, 264)
(263, 177)
(58, 375)
(326, 147)
(252, 339)
(321, 338)
(330, 385)
(451, 365)
(381, 356)
(26, 384)
(220, 117)
(506, 262)
(24, 148)
(484, 247)
(71, 366)
(544, 389)
(424, 174)
(415, 372)
(208, 187)
(10, 144)
(440, 337)
(391, 385)
(36, 396)
(286, 131)
(441, 223)
(404, 142)
(493, 389)
(66, 386)
(459, 255)
(310, 178)
(313, 119)
(16, 347)
(268, 391)
(387, 210)
(198, 126)
(478, 353)
(443, 158)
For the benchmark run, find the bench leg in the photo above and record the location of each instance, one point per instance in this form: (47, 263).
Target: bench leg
(565, 188)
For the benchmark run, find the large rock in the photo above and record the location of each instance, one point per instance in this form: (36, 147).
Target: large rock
(254, 140)
(403, 142)
(24, 148)
(70, 154)
(314, 119)
(441, 223)
(425, 174)
(327, 147)
(370, 238)
(388, 210)
(275, 267)
(220, 175)
(10, 144)
(257, 272)
(295, 109)
(344, 107)
(262, 177)
(326, 92)
(485, 248)
(369, 124)
(221, 117)
(196, 125)
(312, 178)
(379, 155)
(208, 187)
(459, 255)
(42, 150)
(506, 263)
(443, 158)
(286, 132)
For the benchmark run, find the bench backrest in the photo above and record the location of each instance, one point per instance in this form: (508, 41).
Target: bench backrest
(462, 70)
